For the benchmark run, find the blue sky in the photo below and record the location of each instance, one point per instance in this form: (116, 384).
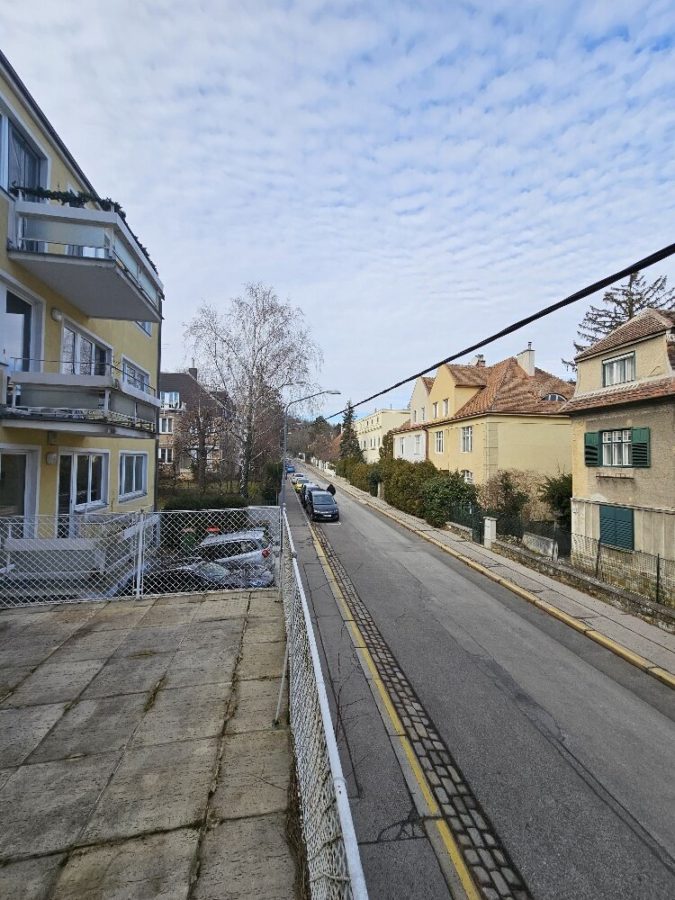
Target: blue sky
(412, 175)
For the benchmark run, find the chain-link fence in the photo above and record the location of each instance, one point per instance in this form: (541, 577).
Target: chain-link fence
(332, 852)
(57, 559)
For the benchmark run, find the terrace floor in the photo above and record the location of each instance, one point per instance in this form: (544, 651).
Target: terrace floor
(137, 753)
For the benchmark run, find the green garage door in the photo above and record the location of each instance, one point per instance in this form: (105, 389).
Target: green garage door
(616, 527)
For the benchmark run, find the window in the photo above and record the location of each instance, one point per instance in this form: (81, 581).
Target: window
(616, 527)
(166, 454)
(133, 474)
(135, 376)
(145, 326)
(82, 355)
(16, 340)
(89, 480)
(558, 398)
(446, 407)
(418, 443)
(467, 476)
(166, 425)
(25, 164)
(414, 416)
(170, 399)
(439, 442)
(618, 447)
(423, 414)
(401, 446)
(467, 439)
(435, 410)
(619, 370)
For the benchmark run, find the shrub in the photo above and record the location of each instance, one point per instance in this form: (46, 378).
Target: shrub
(445, 493)
(403, 483)
(557, 495)
(191, 500)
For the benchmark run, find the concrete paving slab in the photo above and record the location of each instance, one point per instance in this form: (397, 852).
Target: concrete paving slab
(121, 676)
(55, 682)
(182, 714)
(28, 656)
(114, 617)
(232, 606)
(256, 706)
(147, 868)
(261, 660)
(11, 676)
(86, 644)
(30, 879)
(264, 604)
(147, 641)
(21, 730)
(244, 859)
(164, 786)
(254, 775)
(265, 630)
(93, 726)
(5, 775)
(46, 806)
(211, 635)
(209, 667)
(177, 613)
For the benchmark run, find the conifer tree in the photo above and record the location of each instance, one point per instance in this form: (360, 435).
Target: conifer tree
(621, 303)
(349, 443)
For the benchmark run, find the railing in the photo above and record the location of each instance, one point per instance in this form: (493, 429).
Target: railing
(333, 861)
(85, 556)
(20, 366)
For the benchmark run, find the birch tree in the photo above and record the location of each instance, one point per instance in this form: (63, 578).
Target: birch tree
(260, 353)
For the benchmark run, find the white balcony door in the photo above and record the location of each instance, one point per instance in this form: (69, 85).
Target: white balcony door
(82, 486)
(80, 355)
(18, 486)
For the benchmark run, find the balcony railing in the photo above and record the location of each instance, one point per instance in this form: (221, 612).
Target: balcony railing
(77, 392)
(88, 256)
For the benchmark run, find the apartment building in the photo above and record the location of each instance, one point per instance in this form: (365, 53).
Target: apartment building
(80, 314)
(410, 438)
(370, 430)
(191, 422)
(623, 440)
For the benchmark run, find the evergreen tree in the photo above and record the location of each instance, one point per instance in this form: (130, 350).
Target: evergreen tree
(622, 303)
(349, 443)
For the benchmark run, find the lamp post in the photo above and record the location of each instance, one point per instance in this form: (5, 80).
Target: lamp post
(282, 500)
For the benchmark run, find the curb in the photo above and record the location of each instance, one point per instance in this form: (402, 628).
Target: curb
(640, 662)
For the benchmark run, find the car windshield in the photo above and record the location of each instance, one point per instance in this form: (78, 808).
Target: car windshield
(212, 570)
(322, 500)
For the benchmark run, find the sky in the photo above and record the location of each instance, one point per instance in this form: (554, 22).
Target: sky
(412, 175)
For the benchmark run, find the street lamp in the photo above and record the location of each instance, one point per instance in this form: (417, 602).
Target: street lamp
(282, 501)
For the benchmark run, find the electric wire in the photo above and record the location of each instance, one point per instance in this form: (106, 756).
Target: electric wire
(644, 263)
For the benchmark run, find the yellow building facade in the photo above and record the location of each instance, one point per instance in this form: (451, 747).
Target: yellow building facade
(80, 314)
(370, 430)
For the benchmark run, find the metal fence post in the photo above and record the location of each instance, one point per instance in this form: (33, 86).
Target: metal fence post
(597, 559)
(658, 576)
(140, 555)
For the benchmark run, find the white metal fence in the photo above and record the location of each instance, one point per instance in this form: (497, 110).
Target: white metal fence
(333, 857)
(59, 559)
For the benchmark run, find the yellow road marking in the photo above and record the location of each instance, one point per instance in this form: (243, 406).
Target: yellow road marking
(434, 811)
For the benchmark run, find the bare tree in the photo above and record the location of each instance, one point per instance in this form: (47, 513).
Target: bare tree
(199, 434)
(260, 354)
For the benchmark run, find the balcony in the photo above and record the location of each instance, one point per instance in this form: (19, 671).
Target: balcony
(95, 399)
(89, 257)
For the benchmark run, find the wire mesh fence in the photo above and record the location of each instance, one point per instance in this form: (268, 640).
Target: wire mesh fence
(57, 559)
(333, 860)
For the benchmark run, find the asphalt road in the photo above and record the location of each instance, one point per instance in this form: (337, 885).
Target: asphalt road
(569, 750)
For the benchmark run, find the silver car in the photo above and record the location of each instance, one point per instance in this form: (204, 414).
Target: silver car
(238, 549)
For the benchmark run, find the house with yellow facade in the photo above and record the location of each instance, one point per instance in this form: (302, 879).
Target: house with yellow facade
(481, 419)
(80, 316)
(370, 430)
(623, 444)
(410, 438)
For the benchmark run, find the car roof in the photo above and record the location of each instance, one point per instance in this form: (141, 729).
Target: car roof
(324, 493)
(255, 534)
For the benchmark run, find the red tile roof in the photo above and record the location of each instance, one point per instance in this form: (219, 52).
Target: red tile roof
(428, 382)
(409, 426)
(621, 394)
(468, 376)
(645, 324)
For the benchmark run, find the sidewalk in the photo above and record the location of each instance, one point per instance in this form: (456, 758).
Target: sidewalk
(137, 753)
(653, 647)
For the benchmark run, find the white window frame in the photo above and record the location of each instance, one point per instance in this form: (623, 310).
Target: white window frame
(76, 452)
(136, 492)
(418, 443)
(423, 414)
(37, 320)
(618, 370)
(617, 446)
(165, 455)
(87, 336)
(146, 327)
(129, 363)
(170, 404)
(466, 439)
(434, 410)
(414, 417)
(401, 446)
(31, 494)
(439, 441)
(446, 406)
(467, 475)
(169, 421)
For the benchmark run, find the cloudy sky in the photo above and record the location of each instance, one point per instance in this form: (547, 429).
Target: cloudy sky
(413, 175)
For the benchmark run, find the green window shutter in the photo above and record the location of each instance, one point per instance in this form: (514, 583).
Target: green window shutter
(616, 527)
(592, 448)
(641, 450)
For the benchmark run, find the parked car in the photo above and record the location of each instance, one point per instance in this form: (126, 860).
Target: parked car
(237, 549)
(197, 575)
(289, 468)
(298, 482)
(321, 506)
(307, 486)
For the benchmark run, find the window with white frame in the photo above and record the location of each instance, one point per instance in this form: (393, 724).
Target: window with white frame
(467, 476)
(166, 455)
(616, 447)
(25, 165)
(133, 474)
(434, 409)
(82, 354)
(439, 441)
(135, 376)
(618, 370)
(423, 414)
(446, 407)
(170, 399)
(418, 443)
(146, 327)
(414, 416)
(401, 446)
(166, 424)
(466, 438)
(90, 477)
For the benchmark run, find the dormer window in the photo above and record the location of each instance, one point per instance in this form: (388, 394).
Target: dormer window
(619, 370)
(555, 398)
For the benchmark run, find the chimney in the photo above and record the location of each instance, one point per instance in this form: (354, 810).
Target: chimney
(526, 359)
(192, 371)
(478, 360)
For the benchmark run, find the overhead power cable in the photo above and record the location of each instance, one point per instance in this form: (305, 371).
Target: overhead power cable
(651, 260)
